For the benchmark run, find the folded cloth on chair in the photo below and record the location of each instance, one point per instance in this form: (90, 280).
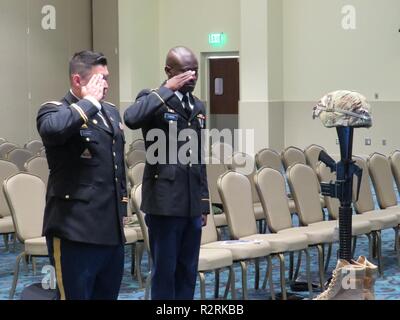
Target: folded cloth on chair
(343, 109)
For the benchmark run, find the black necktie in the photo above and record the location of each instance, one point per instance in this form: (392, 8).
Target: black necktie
(187, 107)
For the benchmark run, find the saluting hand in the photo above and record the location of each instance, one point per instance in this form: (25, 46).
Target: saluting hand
(95, 87)
(180, 80)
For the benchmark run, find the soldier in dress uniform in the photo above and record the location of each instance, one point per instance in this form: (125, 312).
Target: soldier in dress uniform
(174, 194)
(86, 195)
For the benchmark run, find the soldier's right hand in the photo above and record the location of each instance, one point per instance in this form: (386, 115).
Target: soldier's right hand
(180, 80)
(95, 87)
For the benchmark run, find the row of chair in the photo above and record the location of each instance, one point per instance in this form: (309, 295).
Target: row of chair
(235, 191)
(135, 175)
(307, 185)
(25, 196)
(224, 152)
(19, 156)
(270, 158)
(36, 166)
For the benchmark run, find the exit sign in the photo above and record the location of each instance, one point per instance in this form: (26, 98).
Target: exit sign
(217, 39)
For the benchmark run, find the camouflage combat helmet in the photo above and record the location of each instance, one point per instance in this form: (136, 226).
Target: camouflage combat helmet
(343, 109)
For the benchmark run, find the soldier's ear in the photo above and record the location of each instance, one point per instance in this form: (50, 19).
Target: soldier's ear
(168, 71)
(76, 80)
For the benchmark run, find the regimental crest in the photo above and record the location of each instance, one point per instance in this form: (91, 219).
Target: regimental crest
(86, 154)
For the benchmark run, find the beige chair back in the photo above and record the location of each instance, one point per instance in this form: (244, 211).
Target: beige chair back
(7, 169)
(25, 195)
(235, 191)
(34, 146)
(382, 179)
(5, 148)
(394, 160)
(135, 156)
(136, 198)
(42, 152)
(268, 158)
(222, 151)
(38, 166)
(271, 188)
(209, 232)
(312, 153)
(137, 145)
(325, 175)
(305, 188)
(365, 201)
(135, 173)
(291, 156)
(19, 157)
(214, 170)
(245, 165)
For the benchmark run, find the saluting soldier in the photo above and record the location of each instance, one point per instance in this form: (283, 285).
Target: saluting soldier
(86, 195)
(174, 194)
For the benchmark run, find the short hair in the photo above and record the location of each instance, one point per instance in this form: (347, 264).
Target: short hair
(177, 51)
(83, 62)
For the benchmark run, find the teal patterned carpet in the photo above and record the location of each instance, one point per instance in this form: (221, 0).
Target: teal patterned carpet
(387, 287)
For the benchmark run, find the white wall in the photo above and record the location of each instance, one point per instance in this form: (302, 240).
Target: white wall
(189, 22)
(319, 57)
(34, 66)
(304, 54)
(138, 50)
(149, 28)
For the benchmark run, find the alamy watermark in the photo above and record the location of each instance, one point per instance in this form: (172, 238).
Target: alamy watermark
(349, 20)
(210, 147)
(49, 280)
(49, 21)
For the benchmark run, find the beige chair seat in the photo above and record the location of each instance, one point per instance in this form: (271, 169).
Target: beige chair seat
(377, 220)
(392, 210)
(6, 225)
(36, 247)
(359, 227)
(130, 235)
(220, 220)
(258, 211)
(210, 259)
(282, 242)
(242, 251)
(315, 235)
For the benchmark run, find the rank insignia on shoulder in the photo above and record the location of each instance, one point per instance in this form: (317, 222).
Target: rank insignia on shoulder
(111, 104)
(56, 103)
(84, 126)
